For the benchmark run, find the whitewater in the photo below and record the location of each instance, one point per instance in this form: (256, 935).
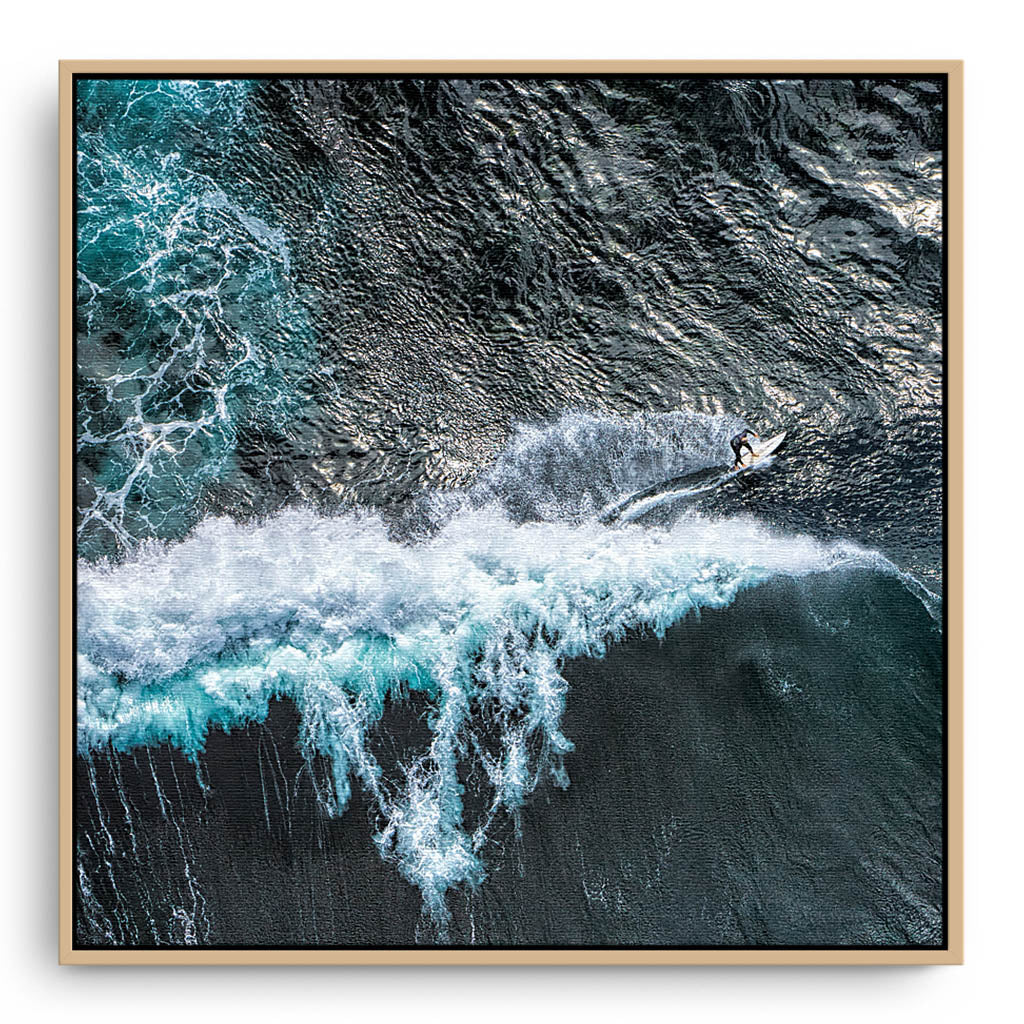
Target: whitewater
(335, 614)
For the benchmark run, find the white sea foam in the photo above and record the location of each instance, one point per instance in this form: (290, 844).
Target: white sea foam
(342, 619)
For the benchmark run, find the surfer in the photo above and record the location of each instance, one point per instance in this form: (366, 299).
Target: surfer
(739, 442)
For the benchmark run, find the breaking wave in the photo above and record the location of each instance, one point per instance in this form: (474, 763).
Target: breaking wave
(342, 618)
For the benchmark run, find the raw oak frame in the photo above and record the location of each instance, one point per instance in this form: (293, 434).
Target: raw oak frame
(952, 953)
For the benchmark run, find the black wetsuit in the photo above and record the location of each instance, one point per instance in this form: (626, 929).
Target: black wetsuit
(738, 443)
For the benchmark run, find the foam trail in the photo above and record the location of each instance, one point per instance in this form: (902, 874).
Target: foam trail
(585, 463)
(343, 620)
(636, 505)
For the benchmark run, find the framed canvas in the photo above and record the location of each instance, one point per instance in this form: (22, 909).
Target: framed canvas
(511, 512)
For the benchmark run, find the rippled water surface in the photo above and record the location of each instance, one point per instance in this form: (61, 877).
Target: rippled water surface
(352, 290)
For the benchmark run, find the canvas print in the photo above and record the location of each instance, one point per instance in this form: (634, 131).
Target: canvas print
(509, 511)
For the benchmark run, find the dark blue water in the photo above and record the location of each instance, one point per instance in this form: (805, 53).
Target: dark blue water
(367, 370)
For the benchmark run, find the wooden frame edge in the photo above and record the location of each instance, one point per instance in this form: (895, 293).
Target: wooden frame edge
(283, 67)
(514, 958)
(953, 239)
(65, 524)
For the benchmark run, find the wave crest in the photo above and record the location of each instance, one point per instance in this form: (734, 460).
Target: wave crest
(336, 615)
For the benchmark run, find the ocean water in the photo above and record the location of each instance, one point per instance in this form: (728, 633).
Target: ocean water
(416, 603)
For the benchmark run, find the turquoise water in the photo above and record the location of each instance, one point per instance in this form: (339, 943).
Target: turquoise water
(188, 330)
(334, 615)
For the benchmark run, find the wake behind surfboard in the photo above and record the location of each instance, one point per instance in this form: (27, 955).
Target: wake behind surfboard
(640, 502)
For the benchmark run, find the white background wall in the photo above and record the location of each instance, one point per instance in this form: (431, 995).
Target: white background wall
(35, 35)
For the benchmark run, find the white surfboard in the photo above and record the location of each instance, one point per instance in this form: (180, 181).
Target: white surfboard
(761, 451)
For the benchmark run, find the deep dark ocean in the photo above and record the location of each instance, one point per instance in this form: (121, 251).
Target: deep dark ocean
(416, 601)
